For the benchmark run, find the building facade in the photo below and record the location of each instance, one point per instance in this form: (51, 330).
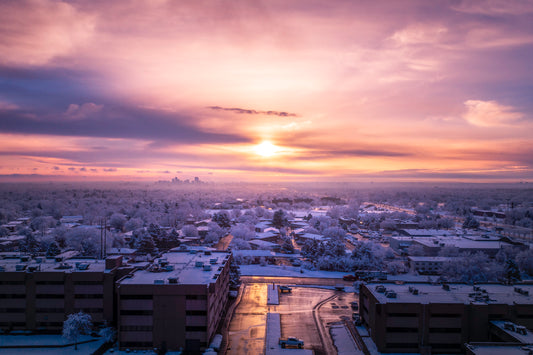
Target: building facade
(430, 319)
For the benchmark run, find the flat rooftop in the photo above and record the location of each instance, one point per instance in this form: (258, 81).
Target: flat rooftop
(189, 267)
(498, 349)
(461, 243)
(42, 264)
(458, 293)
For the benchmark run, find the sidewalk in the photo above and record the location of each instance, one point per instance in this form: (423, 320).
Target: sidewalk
(273, 333)
(273, 295)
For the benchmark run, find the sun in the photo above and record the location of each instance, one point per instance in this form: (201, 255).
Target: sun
(266, 149)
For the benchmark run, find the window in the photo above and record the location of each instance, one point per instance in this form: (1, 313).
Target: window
(403, 314)
(401, 330)
(445, 330)
(135, 312)
(87, 282)
(12, 295)
(44, 295)
(50, 310)
(402, 345)
(137, 344)
(136, 328)
(136, 297)
(12, 310)
(12, 282)
(196, 297)
(48, 282)
(196, 313)
(196, 328)
(445, 315)
(96, 295)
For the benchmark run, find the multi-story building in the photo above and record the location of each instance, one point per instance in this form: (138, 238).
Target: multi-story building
(39, 293)
(177, 302)
(426, 318)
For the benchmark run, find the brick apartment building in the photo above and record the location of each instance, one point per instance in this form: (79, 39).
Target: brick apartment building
(177, 302)
(426, 318)
(39, 293)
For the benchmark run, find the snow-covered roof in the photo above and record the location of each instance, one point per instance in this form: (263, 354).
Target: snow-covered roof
(42, 264)
(263, 244)
(522, 338)
(461, 243)
(425, 232)
(430, 258)
(121, 251)
(458, 293)
(188, 268)
(264, 235)
(312, 236)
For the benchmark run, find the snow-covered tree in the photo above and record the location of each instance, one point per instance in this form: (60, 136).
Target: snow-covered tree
(280, 219)
(117, 221)
(53, 249)
(108, 334)
(189, 231)
(287, 246)
(335, 233)
(77, 324)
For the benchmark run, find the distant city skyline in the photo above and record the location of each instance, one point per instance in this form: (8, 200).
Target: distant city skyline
(266, 90)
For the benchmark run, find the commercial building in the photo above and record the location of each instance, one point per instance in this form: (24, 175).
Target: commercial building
(38, 294)
(177, 302)
(425, 318)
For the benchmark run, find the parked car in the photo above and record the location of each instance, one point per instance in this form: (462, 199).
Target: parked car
(291, 342)
(283, 289)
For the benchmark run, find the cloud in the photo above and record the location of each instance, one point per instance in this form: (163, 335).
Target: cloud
(35, 32)
(114, 122)
(494, 7)
(253, 112)
(490, 113)
(419, 34)
(83, 169)
(85, 110)
(110, 169)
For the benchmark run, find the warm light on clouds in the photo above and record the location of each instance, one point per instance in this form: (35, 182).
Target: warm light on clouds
(490, 113)
(274, 90)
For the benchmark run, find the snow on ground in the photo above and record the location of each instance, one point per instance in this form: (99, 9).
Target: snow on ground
(273, 333)
(273, 295)
(343, 340)
(287, 271)
(36, 340)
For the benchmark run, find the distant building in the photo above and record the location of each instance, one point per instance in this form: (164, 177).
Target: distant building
(428, 265)
(430, 319)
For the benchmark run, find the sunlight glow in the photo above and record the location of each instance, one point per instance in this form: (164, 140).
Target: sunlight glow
(266, 149)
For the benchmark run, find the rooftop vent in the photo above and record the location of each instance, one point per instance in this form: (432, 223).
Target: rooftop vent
(33, 268)
(159, 282)
(521, 291)
(172, 280)
(64, 266)
(58, 259)
(380, 288)
(169, 268)
(24, 258)
(207, 267)
(446, 287)
(20, 267)
(215, 276)
(390, 294)
(38, 260)
(521, 330)
(163, 262)
(207, 252)
(213, 261)
(82, 266)
(199, 264)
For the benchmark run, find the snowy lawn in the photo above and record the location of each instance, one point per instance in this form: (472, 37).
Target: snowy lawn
(55, 340)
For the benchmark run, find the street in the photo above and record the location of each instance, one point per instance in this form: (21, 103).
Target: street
(305, 313)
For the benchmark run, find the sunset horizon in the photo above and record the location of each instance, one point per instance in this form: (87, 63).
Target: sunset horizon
(257, 91)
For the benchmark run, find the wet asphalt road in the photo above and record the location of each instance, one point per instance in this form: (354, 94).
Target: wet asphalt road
(247, 327)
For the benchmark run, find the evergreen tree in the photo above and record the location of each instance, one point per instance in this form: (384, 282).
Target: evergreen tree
(222, 219)
(280, 219)
(287, 247)
(512, 273)
(53, 249)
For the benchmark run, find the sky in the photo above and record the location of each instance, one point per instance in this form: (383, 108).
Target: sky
(248, 90)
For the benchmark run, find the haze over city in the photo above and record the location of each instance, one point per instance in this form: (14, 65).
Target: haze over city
(266, 90)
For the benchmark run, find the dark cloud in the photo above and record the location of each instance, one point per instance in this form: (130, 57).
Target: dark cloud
(94, 170)
(110, 169)
(245, 111)
(71, 169)
(115, 122)
(57, 168)
(340, 153)
(83, 169)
